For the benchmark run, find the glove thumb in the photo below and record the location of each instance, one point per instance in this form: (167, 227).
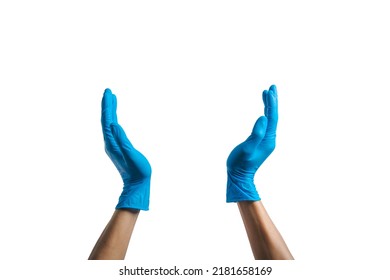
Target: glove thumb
(121, 138)
(257, 134)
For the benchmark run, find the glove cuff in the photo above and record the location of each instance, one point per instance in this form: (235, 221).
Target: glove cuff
(240, 189)
(135, 196)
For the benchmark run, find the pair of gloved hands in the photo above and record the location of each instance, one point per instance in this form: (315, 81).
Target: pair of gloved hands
(242, 162)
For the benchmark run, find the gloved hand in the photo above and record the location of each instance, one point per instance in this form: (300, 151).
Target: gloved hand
(247, 157)
(133, 167)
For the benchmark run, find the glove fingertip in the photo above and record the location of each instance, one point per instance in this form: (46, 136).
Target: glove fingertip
(260, 127)
(265, 96)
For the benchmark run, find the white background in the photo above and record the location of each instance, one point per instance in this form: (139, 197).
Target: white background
(188, 76)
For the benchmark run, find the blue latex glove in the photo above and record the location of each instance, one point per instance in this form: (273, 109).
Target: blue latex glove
(247, 157)
(133, 167)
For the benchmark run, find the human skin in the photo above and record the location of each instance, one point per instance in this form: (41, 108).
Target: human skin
(266, 241)
(114, 240)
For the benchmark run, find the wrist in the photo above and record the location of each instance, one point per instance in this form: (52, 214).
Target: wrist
(135, 196)
(240, 189)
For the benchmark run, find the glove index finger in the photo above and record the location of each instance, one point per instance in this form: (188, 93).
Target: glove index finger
(113, 109)
(270, 98)
(107, 103)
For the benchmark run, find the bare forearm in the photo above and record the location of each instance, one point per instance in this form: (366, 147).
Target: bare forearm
(265, 239)
(114, 240)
